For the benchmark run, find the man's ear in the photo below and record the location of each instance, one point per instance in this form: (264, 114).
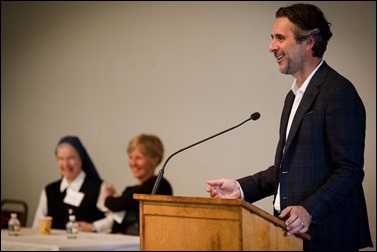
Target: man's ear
(310, 41)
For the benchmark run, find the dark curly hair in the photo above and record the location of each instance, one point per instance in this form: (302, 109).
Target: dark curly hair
(308, 20)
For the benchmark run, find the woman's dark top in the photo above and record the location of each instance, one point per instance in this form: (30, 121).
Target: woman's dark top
(130, 223)
(86, 211)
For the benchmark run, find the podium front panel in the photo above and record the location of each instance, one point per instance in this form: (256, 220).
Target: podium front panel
(179, 223)
(191, 227)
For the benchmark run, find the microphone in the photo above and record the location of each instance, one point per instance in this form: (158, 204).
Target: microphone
(254, 116)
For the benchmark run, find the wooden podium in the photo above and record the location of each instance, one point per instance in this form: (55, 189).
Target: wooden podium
(198, 223)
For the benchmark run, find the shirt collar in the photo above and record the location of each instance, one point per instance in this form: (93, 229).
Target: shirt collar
(303, 87)
(75, 184)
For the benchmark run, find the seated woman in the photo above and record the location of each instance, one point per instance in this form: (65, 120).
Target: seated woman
(145, 153)
(76, 192)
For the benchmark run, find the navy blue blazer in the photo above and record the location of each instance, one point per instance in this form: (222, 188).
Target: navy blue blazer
(320, 166)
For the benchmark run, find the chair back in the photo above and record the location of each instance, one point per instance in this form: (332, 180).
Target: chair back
(9, 206)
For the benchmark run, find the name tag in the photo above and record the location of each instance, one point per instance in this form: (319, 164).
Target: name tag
(73, 197)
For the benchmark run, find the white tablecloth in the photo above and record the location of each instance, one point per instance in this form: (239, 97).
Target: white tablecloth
(30, 240)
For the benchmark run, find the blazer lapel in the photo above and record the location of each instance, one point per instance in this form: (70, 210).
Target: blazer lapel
(283, 126)
(302, 109)
(306, 102)
(285, 114)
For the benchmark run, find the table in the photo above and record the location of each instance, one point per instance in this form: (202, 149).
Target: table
(30, 240)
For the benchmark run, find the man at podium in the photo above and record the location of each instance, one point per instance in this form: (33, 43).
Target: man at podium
(317, 175)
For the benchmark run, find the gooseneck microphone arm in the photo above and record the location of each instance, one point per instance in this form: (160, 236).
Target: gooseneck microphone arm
(254, 116)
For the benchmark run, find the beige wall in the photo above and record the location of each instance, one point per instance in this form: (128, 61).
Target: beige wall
(106, 71)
